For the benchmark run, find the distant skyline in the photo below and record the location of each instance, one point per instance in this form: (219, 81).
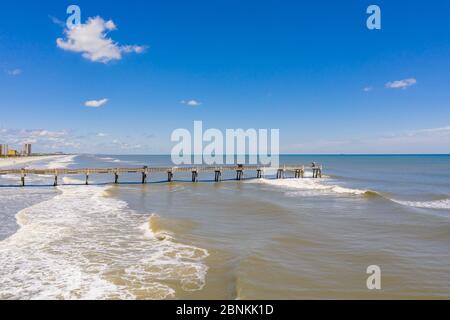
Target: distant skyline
(135, 71)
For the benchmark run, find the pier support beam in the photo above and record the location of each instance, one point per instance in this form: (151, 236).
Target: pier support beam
(194, 176)
(55, 182)
(317, 173)
(144, 175)
(280, 174)
(169, 176)
(87, 178)
(299, 173)
(217, 175)
(116, 177)
(22, 177)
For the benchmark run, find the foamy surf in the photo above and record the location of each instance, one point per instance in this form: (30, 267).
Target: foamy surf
(435, 204)
(311, 186)
(62, 162)
(82, 245)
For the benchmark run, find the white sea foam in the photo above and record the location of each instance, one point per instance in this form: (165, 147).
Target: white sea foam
(83, 245)
(59, 162)
(62, 162)
(310, 186)
(111, 159)
(436, 204)
(115, 160)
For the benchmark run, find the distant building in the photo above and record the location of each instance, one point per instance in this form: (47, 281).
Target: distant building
(26, 149)
(3, 149)
(12, 153)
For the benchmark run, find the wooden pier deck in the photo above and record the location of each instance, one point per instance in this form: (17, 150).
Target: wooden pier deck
(144, 171)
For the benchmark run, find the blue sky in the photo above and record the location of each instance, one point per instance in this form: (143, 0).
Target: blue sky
(309, 68)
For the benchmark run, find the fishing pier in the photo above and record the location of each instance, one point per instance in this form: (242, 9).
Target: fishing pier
(297, 170)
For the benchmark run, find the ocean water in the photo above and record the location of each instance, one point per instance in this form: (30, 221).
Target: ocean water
(250, 239)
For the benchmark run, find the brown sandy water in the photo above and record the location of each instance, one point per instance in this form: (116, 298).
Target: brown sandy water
(267, 244)
(252, 239)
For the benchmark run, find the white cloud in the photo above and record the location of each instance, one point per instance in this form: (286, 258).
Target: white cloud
(56, 21)
(92, 41)
(14, 72)
(367, 89)
(45, 140)
(126, 145)
(430, 140)
(433, 131)
(96, 103)
(401, 84)
(192, 102)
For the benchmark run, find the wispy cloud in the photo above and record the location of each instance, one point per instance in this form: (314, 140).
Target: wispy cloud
(96, 103)
(428, 140)
(56, 21)
(126, 145)
(368, 88)
(192, 102)
(442, 131)
(48, 139)
(14, 72)
(401, 84)
(92, 41)
(45, 140)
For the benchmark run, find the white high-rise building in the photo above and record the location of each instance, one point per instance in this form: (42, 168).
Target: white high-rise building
(27, 149)
(3, 149)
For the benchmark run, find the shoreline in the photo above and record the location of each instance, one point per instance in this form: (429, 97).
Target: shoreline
(12, 162)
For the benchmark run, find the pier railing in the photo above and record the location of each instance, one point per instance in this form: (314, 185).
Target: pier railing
(144, 171)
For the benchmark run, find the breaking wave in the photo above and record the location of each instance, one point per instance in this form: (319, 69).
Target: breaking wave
(312, 186)
(435, 204)
(83, 245)
(62, 162)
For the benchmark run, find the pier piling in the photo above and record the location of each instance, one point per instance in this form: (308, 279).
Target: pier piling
(144, 175)
(280, 173)
(317, 172)
(194, 175)
(217, 175)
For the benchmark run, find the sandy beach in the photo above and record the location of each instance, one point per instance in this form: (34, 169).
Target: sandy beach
(13, 162)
